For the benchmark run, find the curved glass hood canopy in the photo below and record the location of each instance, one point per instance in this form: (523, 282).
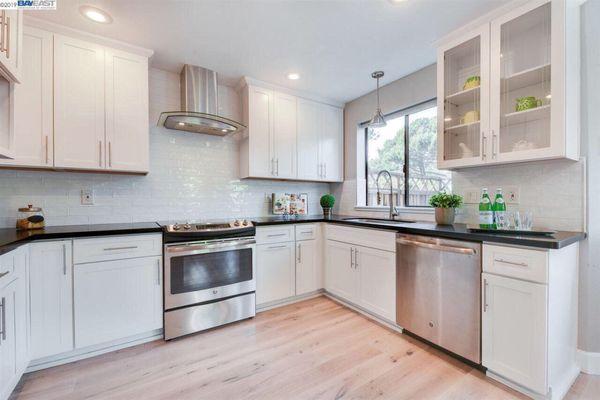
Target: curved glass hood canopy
(199, 103)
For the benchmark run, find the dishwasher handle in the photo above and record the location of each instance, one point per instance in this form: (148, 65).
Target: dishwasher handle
(434, 246)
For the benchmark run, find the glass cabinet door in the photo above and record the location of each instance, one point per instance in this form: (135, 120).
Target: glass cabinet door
(521, 85)
(463, 100)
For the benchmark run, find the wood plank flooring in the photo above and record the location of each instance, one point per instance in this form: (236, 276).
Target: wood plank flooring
(316, 349)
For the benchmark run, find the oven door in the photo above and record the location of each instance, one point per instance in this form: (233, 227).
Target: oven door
(203, 271)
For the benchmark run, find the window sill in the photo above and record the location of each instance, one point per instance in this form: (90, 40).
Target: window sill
(401, 210)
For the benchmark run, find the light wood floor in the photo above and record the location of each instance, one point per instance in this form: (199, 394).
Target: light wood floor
(315, 349)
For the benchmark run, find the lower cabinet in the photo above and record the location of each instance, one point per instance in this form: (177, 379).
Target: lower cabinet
(51, 287)
(117, 299)
(363, 276)
(514, 323)
(8, 347)
(275, 272)
(308, 271)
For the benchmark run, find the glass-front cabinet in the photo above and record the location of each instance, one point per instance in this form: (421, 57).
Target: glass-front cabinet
(526, 106)
(463, 100)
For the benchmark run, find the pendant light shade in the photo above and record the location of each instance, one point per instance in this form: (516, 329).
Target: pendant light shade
(377, 121)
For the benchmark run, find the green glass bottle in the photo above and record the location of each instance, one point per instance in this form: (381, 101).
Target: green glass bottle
(486, 214)
(499, 209)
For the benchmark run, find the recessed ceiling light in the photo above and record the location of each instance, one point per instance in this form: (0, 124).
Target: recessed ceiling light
(181, 123)
(293, 76)
(95, 14)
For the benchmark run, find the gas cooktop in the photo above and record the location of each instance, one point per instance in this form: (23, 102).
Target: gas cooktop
(182, 231)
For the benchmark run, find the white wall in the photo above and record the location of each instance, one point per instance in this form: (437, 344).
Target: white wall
(589, 268)
(191, 177)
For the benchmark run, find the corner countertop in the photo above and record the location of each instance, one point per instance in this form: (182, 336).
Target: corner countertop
(457, 231)
(11, 238)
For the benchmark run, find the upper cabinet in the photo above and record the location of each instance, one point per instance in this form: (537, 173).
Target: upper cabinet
(290, 137)
(80, 105)
(11, 35)
(509, 89)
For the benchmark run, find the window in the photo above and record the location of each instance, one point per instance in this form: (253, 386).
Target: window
(407, 148)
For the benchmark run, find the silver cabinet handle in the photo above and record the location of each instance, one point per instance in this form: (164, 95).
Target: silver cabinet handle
(277, 235)
(433, 246)
(4, 273)
(299, 252)
(7, 48)
(2, 38)
(278, 247)
(120, 248)
(158, 272)
(485, 303)
(100, 153)
(46, 149)
(355, 258)
(3, 318)
(503, 261)
(325, 170)
(64, 259)
(351, 257)
(277, 166)
(109, 154)
(494, 136)
(483, 145)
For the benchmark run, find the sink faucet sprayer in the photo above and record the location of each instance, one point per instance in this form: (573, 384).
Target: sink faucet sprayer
(392, 210)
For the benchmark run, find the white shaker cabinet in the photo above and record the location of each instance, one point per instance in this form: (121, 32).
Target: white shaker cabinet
(8, 347)
(79, 139)
(377, 274)
(11, 26)
(51, 285)
(275, 272)
(256, 159)
(341, 276)
(33, 103)
(283, 137)
(309, 123)
(127, 129)
(117, 299)
(331, 144)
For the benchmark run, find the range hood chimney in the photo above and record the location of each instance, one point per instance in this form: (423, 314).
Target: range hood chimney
(199, 103)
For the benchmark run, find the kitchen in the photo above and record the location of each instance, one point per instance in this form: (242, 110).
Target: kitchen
(176, 192)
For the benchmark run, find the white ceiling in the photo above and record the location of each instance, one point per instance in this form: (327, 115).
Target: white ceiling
(333, 44)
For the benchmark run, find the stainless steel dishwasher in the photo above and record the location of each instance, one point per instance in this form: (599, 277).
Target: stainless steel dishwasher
(438, 292)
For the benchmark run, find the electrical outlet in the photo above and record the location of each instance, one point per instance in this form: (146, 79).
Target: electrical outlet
(87, 197)
(512, 195)
(471, 197)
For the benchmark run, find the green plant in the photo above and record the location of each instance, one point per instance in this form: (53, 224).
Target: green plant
(445, 200)
(327, 201)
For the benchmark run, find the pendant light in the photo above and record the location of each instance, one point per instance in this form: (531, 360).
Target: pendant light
(377, 121)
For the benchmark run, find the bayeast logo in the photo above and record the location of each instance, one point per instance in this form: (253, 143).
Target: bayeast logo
(28, 5)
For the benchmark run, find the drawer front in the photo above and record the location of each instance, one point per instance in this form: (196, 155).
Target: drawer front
(116, 248)
(515, 262)
(374, 238)
(275, 234)
(306, 231)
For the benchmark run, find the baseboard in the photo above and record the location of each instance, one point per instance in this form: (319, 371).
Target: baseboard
(91, 351)
(589, 362)
(560, 389)
(516, 386)
(288, 300)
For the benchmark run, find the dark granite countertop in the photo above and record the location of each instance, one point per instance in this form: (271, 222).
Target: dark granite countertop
(457, 231)
(11, 238)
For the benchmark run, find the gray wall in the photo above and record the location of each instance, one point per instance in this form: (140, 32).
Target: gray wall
(589, 316)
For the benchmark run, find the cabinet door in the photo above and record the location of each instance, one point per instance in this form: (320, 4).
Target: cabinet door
(33, 119)
(341, 277)
(10, 44)
(307, 267)
(127, 111)
(514, 326)
(463, 101)
(22, 331)
(331, 153)
(117, 299)
(284, 135)
(260, 126)
(309, 132)
(522, 67)
(51, 293)
(8, 364)
(275, 272)
(377, 272)
(79, 140)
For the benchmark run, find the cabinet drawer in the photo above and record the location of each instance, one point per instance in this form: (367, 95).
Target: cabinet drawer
(374, 238)
(514, 262)
(275, 234)
(116, 247)
(306, 231)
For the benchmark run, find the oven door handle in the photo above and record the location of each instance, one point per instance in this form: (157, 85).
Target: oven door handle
(236, 244)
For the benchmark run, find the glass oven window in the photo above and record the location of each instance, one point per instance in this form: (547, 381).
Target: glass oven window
(204, 271)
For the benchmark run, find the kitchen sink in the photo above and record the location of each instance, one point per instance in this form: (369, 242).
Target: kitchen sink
(380, 221)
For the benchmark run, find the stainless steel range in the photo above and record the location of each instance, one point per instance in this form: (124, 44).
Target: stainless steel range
(210, 275)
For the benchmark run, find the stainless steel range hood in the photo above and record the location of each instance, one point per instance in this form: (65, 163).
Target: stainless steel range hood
(199, 103)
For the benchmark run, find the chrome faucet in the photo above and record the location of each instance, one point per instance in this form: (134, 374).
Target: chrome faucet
(393, 213)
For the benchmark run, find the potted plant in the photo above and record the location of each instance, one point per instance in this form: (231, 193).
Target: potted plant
(327, 202)
(445, 204)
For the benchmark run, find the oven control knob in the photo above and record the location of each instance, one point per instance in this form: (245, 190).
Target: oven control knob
(187, 227)
(236, 222)
(245, 222)
(176, 227)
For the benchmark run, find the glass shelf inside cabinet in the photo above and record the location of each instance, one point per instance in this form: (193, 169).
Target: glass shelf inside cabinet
(462, 81)
(525, 82)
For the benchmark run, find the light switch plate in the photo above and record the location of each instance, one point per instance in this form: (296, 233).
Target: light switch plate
(512, 195)
(87, 197)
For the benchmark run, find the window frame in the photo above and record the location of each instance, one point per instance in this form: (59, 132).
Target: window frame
(405, 113)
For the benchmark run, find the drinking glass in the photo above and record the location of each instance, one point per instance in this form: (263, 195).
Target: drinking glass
(526, 220)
